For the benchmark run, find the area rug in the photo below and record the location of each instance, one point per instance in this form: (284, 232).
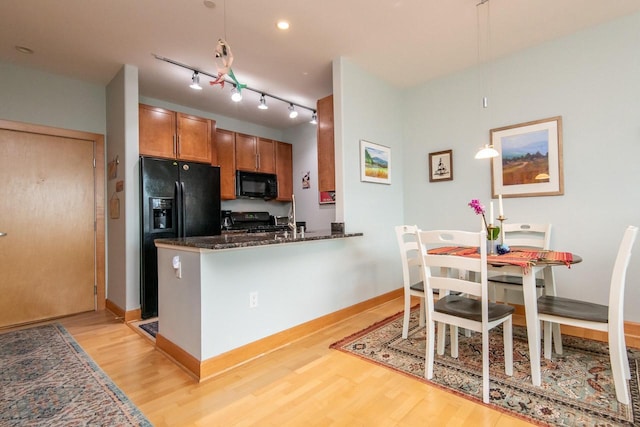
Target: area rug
(47, 379)
(577, 387)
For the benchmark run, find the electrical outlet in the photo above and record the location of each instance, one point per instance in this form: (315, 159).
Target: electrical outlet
(253, 299)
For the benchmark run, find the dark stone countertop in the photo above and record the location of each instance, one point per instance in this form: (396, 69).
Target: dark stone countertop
(246, 240)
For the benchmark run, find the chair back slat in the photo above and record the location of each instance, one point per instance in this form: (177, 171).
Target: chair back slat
(410, 253)
(526, 234)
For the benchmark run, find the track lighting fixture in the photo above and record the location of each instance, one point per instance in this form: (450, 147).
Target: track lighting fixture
(263, 103)
(235, 91)
(292, 112)
(236, 96)
(195, 81)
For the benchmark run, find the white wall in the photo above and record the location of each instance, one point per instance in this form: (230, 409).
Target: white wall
(305, 159)
(368, 108)
(31, 96)
(123, 233)
(591, 79)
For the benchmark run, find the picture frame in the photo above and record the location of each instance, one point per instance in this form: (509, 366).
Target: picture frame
(441, 166)
(375, 163)
(530, 160)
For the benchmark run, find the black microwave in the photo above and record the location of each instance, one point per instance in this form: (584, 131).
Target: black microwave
(256, 185)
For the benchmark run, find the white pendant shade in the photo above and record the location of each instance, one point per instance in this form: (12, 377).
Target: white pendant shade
(487, 152)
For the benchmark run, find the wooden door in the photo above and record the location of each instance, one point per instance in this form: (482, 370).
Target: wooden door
(326, 148)
(157, 131)
(266, 156)
(194, 138)
(48, 257)
(284, 170)
(225, 149)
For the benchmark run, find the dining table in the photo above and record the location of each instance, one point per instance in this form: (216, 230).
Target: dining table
(527, 262)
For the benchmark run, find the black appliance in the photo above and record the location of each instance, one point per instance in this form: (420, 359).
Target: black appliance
(256, 185)
(254, 222)
(177, 199)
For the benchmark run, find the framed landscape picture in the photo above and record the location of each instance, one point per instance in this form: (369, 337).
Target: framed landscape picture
(441, 166)
(375, 163)
(530, 161)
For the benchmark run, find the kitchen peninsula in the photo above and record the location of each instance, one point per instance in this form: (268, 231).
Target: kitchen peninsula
(226, 299)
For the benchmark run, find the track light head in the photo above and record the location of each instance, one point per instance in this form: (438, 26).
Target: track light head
(263, 103)
(314, 118)
(292, 112)
(195, 81)
(236, 96)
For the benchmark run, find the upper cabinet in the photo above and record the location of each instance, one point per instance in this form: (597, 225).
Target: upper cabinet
(284, 170)
(255, 154)
(172, 135)
(326, 149)
(225, 154)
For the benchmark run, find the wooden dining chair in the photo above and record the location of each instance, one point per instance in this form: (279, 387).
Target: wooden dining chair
(411, 275)
(520, 234)
(606, 318)
(470, 307)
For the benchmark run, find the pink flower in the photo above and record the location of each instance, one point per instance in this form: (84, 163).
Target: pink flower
(477, 206)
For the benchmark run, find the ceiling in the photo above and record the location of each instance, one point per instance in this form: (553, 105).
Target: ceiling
(403, 42)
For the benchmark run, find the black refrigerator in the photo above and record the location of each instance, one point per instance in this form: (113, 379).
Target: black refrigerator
(177, 199)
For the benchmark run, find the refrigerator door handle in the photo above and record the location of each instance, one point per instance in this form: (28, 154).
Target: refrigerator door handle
(178, 212)
(184, 211)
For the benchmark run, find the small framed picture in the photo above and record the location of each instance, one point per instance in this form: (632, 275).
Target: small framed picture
(375, 162)
(441, 166)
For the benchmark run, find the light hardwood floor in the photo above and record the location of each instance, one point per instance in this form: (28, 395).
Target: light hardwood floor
(302, 384)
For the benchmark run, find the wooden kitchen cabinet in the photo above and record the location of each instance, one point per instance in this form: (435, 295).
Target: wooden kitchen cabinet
(326, 148)
(172, 135)
(284, 170)
(255, 154)
(224, 143)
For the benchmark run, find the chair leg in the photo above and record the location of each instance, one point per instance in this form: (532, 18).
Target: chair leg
(429, 356)
(442, 336)
(616, 351)
(485, 365)
(507, 338)
(423, 309)
(547, 339)
(453, 332)
(407, 313)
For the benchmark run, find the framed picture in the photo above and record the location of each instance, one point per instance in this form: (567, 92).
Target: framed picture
(441, 166)
(530, 161)
(375, 162)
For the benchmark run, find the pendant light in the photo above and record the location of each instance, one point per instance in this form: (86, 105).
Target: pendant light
(487, 151)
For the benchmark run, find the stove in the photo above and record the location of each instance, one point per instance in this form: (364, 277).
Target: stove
(251, 222)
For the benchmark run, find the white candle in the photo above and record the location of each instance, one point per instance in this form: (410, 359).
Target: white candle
(491, 213)
(500, 203)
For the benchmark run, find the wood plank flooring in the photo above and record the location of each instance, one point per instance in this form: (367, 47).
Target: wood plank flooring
(302, 384)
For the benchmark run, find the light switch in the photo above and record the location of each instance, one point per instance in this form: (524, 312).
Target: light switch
(177, 266)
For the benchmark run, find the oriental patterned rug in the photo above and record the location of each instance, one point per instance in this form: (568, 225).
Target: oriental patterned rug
(46, 379)
(577, 387)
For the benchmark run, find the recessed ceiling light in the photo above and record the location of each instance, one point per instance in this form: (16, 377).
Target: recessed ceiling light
(209, 4)
(24, 49)
(282, 24)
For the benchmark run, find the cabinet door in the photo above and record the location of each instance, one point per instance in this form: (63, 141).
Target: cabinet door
(246, 158)
(326, 150)
(284, 170)
(156, 131)
(226, 151)
(266, 156)
(194, 138)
